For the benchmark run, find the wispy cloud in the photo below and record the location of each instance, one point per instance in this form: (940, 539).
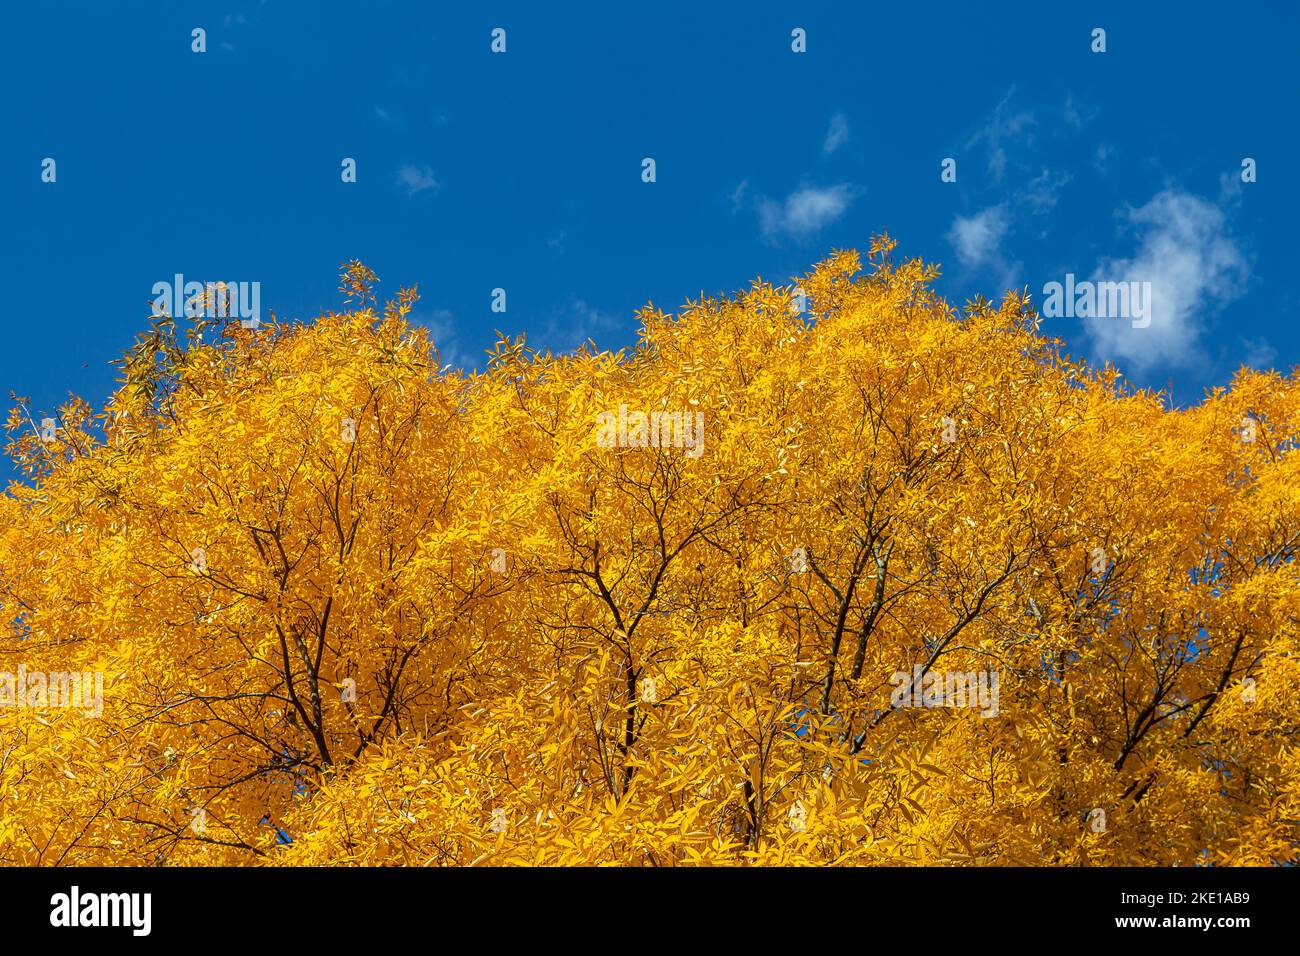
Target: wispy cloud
(977, 240)
(416, 179)
(1021, 187)
(1010, 135)
(229, 21)
(804, 212)
(837, 135)
(738, 195)
(1041, 193)
(1259, 353)
(1078, 116)
(1006, 127)
(1194, 266)
(1102, 157)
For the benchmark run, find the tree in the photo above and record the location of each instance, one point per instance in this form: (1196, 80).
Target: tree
(869, 581)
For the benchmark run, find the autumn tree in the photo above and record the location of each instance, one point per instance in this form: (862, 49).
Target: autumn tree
(712, 599)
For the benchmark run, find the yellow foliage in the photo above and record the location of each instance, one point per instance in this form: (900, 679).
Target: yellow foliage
(350, 607)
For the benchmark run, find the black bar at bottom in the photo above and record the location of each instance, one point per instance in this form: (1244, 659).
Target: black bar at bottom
(380, 907)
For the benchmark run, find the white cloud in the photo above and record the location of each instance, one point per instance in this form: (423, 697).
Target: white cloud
(416, 179)
(978, 239)
(837, 135)
(1194, 268)
(805, 212)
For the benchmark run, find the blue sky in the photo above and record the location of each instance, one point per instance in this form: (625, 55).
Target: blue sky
(522, 170)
